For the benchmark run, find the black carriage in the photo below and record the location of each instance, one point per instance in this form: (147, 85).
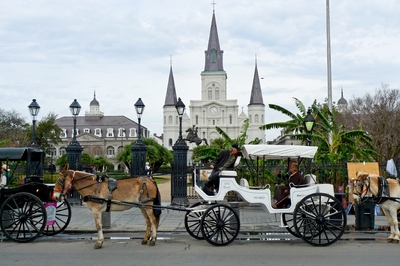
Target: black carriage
(27, 210)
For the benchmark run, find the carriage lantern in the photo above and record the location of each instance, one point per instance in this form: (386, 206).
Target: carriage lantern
(179, 171)
(34, 110)
(138, 148)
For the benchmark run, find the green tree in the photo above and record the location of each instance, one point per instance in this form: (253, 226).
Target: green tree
(295, 124)
(47, 132)
(156, 154)
(12, 129)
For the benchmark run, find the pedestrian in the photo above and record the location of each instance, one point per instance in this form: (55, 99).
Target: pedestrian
(5, 176)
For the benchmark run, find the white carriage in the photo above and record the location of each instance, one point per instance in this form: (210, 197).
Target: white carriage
(315, 215)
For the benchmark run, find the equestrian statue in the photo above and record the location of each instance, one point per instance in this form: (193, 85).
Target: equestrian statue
(192, 136)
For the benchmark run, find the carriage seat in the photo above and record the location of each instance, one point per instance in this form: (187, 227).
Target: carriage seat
(230, 173)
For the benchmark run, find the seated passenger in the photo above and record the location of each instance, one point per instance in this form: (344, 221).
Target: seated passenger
(283, 191)
(224, 160)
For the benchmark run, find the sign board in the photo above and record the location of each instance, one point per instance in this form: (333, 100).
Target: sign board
(353, 168)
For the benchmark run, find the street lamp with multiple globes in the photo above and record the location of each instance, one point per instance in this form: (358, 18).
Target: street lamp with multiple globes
(139, 148)
(309, 123)
(74, 149)
(179, 171)
(34, 110)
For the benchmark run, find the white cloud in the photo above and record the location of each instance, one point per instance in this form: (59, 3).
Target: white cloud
(56, 51)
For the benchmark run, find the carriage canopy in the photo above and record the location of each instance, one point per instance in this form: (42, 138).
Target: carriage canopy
(277, 152)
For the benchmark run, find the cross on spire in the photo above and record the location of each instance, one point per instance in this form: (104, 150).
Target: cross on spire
(213, 3)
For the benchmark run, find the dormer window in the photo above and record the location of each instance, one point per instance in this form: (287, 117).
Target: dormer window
(110, 132)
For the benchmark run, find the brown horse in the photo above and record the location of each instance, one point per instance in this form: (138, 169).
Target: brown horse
(386, 196)
(141, 192)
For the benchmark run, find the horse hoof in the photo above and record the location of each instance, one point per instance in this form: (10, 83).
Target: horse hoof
(152, 243)
(390, 240)
(395, 241)
(144, 242)
(97, 246)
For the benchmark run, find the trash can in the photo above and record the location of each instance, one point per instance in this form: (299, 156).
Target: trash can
(365, 216)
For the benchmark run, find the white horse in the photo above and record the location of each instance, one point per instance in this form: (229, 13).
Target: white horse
(385, 194)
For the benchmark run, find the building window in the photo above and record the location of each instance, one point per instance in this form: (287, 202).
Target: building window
(72, 132)
(110, 132)
(176, 120)
(170, 142)
(121, 132)
(210, 94)
(86, 130)
(256, 119)
(97, 151)
(132, 132)
(53, 151)
(170, 120)
(97, 132)
(230, 119)
(63, 133)
(216, 94)
(250, 120)
(110, 151)
(213, 122)
(197, 119)
(165, 119)
(62, 151)
(262, 119)
(213, 56)
(120, 149)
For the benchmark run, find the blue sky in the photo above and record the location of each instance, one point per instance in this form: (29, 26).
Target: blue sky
(56, 51)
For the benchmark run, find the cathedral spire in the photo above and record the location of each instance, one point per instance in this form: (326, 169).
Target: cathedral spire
(256, 94)
(170, 97)
(213, 53)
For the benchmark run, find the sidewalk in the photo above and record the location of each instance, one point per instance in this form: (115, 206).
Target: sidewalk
(252, 218)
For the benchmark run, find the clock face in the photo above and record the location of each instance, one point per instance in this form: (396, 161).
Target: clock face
(214, 110)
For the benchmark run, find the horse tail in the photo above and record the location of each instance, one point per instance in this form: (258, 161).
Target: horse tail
(205, 141)
(157, 202)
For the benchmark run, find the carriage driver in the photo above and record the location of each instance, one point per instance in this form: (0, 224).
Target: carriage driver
(224, 160)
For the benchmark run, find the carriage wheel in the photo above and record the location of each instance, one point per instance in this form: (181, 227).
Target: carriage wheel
(220, 225)
(193, 222)
(23, 217)
(62, 219)
(287, 219)
(319, 219)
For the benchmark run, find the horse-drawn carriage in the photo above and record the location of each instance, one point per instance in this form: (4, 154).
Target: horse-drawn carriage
(28, 210)
(314, 215)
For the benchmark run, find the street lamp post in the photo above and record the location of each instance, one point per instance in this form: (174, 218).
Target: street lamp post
(139, 148)
(179, 171)
(309, 123)
(74, 149)
(34, 110)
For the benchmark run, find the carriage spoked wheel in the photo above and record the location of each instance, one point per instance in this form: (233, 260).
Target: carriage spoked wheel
(62, 219)
(220, 225)
(193, 222)
(319, 219)
(287, 219)
(23, 217)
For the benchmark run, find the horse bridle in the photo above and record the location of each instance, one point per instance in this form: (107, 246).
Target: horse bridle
(61, 181)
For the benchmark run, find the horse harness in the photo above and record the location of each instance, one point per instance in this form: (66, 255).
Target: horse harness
(383, 191)
(112, 185)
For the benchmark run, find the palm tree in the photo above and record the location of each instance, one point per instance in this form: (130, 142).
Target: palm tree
(295, 124)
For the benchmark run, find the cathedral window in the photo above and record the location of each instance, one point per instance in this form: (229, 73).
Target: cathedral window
(256, 119)
(176, 120)
(170, 120)
(262, 118)
(250, 119)
(213, 122)
(216, 94)
(210, 94)
(197, 119)
(230, 119)
(170, 142)
(213, 56)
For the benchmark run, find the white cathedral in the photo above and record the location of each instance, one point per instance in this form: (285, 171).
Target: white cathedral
(214, 109)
